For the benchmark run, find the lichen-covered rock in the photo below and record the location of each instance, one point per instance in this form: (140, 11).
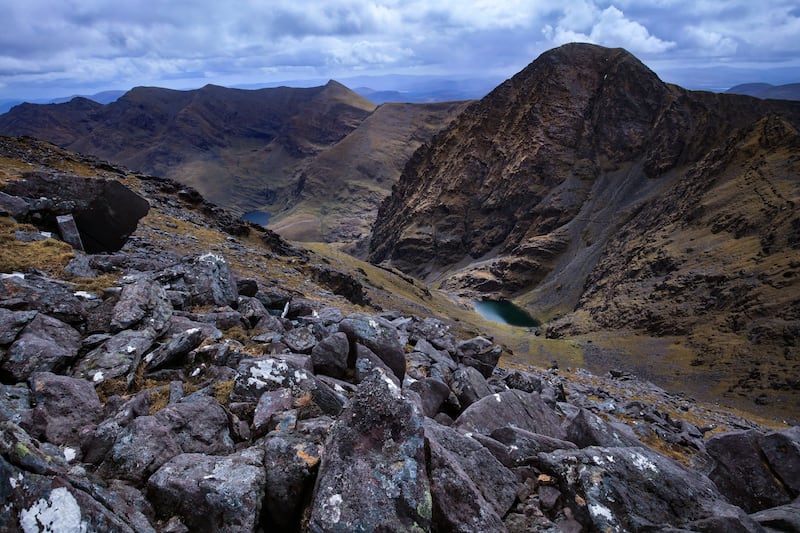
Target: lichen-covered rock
(177, 348)
(469, 385)
(471, 490)
(300, 340)
(11, 323)
(143, 304)
(208, 278)
(116, 357)
(147, 442)
(521, 409)
(45, 344)
(211, 493)
(63, 406)
(15, 402)
(632, 489)
(782, 450)
(378, 335)
(521, 447)
(372, 476)
(291, 463)
(479, 353)
(433, 394)
(33, 292)
(588, 429)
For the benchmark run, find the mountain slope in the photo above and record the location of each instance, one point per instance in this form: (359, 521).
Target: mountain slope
(538, 192)
(790, 91)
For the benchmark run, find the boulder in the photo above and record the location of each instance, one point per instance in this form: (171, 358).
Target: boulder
(63, 406)
(118, 356)
(143, 304)
(435, 355)
(208, 278)
(741, 474)
(300, 340)
(479, 353)
(330, 355)
(269, 404)
(291, 462)
(632, 489)
(781, 518)
(433, 394)
(173, 352)
(147, 442)
(587, 429)
(433, 331)
(381, 337)
(11, 323)
(45, 344)
(469, 385)
(15, 402)
(211, 493)
(782, 450)
(32, 292)
(511, 408)
(372, 476)
(470, 489)
(521, 447)
(367, 361)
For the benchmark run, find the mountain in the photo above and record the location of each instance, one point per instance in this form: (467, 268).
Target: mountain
(604, 200)
(104, 97)
(248, 149)
(202, 374)
(790, 91)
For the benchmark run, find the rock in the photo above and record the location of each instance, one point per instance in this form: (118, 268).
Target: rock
(118, 356)
(256, 376)
(24, 452)
(63, 406)
(341, 283)
(175, 350)
(69, 231)
(367, 361)
(433, 331)
(587, 429)
(523, 381)
(469, 385)
(208, 278)
(631, 489)
(782, 450)
(80, 267)
(436, 356)
(45, 344)
(738, 457)
(522, 447)
(781, 518)
(433, 394)
(211, 493)
(363, 470)
(11, 323)
(378, 335)
(143, 304)
(479, 353)
(470, 489)
(330, 355)
(252, 310)
(270, 403)
(15, 400)
(198, 426)
(300, 340)
(247, 287)
(291, 463)
(521, 409)
(39, 293)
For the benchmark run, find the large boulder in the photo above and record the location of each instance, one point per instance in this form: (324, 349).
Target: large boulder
(33, 292)
(372, 476)
(741, 473)
(635, 489)
(143, 304)
(330, 355)
(11, 323)
(45, 344)
(782, 450)
(378, 335)
(479, 353)
(211, 493)
(118, 356)
(63, 406)
(471, 490)
(511, 408)
(208, 278)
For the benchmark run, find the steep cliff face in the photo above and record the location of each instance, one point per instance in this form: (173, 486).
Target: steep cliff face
(541, 172)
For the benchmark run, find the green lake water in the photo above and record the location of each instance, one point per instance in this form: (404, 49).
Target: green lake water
(504, 312)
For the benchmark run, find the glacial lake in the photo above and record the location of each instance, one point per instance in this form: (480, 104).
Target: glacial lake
(504, 312)
(257, 217)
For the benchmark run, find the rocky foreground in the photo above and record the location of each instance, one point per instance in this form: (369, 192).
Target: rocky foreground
(184, 396)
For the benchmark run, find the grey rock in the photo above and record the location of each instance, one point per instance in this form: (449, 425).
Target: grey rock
(521, 447)
(471, 490)
(291, 462)
(39, 293)
(632, 489)
(433, 331)
(363, 469)
(251, 309)
(378, 335)
(738, 458)
(45, 344)
(208, 278)
(300, 340)
(247, 286)
(118, 356)
(330, 355)
(211, 493)
(479, 353)
(469, 385)
(80, 267)
(12, 322)
(588, 429)
(433, 394)
(270, 403)
(63, 406)
(781, 518)
(435, 355)
(142, 304)
(782, 450)
(69, 231)
(511, 408)
(15, 401)
(367, 361)
(175, 350)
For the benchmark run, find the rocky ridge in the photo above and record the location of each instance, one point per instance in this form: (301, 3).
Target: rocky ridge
(167, 386)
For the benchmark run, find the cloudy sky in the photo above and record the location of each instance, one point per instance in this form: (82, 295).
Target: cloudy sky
(61, 47)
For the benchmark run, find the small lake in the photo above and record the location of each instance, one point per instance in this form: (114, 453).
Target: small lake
(504, 312)
(257, 217)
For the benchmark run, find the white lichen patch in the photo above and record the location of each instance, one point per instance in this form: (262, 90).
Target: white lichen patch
(86, 295)
(97, 377)
(372, 323)
(394, 390)
(643, 463)
(211, 258)
(300, 375)
(332, 509)
(267, 370)
(14, 481)
(59, 513)
(601, 512)
(69, 454)
(498, 398)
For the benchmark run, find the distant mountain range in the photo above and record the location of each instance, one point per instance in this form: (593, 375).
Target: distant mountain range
(104, 97)
(789, 91)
